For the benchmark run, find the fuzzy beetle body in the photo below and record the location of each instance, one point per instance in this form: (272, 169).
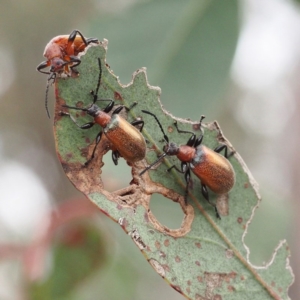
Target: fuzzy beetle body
(127, 139)
(62, 51)
(213, 169)
(62, 56)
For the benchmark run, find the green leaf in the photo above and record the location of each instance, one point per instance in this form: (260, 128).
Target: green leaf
(203, 259)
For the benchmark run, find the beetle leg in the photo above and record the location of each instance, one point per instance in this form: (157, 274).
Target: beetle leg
(138, 122)
(192, 139)
(72, 37)
(184, 167)
(134, 123)
(205, 195)
(84, 126)
(118, 109)
(115, 156)
(73, 34)
(98, 139)
(71, 61)
(109, 106)
(92, 40)
(176, 168)
(71, 40)
(182, 131)
(198, 141)
(221, 147)
(130, 107)
(201, 119)
(187, 177)
(75, 61)
(43, 65)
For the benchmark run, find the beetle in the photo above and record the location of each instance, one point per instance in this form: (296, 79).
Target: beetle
(214, 170)
(127, 141)
(61, 53)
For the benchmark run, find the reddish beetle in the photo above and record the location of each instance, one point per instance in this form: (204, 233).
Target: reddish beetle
(61, 53)
(127, 140)
(213, 169)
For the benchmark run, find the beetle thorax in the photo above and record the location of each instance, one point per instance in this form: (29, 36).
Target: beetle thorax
(186, 153)
(101, 117)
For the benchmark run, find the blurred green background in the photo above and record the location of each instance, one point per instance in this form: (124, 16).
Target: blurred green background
(234, 61)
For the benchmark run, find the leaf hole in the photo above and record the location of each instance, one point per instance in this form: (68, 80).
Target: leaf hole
(115, 177)
(167, 212)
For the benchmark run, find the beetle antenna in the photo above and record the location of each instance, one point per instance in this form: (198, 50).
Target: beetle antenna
(154, 163)
(161, 128)
(74, 107)
(51, 76)
(46, 99)
(99, 80)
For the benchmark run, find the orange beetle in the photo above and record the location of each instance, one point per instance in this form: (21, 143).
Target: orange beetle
(213, 169)
(127, 140)
(61, 53)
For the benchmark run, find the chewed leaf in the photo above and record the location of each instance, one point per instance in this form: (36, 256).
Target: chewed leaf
(205, 258)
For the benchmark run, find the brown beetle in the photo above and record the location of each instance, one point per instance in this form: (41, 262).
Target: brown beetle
(213, 169)
(61, 53)
(127, 141)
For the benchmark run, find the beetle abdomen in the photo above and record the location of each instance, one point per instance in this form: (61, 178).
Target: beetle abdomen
(213, 169)
(127, 139)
